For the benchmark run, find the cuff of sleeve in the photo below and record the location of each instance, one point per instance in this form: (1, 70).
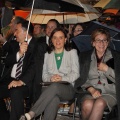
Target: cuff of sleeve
(23, 83)
(108, 71)
(88, 87)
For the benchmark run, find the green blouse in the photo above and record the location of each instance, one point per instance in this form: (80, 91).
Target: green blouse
(58, 58)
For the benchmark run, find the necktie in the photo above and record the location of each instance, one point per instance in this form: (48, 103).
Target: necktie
(19, 67)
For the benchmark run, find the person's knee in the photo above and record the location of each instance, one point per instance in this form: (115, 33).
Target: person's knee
(15, 92)
(101, 103)
(87, 104)
(55, 86)
(56, 100)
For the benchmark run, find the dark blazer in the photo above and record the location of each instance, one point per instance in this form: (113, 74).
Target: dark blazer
(28, 62)
(6, 48)
(10, 45)
(42, 39)
(41, 49)
(85, 59)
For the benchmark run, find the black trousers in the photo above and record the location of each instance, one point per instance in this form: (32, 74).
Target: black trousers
(17, 96)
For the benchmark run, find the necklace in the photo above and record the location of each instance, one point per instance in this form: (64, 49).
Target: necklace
(59, 56)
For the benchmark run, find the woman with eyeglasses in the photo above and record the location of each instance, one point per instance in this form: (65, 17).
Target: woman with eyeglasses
(99, 71)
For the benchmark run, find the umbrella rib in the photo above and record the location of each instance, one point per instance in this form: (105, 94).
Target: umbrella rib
(26, 39)
(115, 34)
(34, 17)
(113, 45)
(43, 18)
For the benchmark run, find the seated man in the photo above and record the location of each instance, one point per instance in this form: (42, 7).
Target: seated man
(17, 77)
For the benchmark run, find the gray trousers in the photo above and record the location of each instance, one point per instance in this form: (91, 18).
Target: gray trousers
(50, 98)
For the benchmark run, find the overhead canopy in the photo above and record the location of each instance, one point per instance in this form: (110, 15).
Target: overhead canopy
(42, 16)
(56, 5)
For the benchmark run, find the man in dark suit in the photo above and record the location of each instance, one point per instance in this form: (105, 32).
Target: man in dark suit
(18, 88)
(8, 40)
(51, 25)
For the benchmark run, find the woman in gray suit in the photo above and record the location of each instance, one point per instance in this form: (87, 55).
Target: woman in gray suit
(60, 64)
(97, 77)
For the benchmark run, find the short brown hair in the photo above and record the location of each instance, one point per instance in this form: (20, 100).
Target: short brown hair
(100, 31)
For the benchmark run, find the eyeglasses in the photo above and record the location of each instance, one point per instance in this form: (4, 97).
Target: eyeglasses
(99, 41)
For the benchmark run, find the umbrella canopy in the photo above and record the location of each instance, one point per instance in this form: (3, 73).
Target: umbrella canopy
(115, 43)
(63, 6)
(83, 41)
(87, 8)
(72, 13)
(94, 25)
(106, 4)
(42, 16)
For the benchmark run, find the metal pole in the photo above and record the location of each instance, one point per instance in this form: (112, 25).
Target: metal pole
(29, 20)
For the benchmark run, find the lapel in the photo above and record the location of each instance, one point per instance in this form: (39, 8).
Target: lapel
(29, 53)
(64, 59)
(85, 60)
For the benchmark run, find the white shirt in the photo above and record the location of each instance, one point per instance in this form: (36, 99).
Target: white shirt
(47, 40)
(13, 72)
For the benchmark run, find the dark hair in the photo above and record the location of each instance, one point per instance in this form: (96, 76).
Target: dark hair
(54, 20)
(77, 25)
(100, 31)
(25, 27)
(41, 25)
(51, 46)
(18, 19)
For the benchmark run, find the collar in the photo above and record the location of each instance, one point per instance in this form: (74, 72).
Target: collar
(108, 55)
(47, 40)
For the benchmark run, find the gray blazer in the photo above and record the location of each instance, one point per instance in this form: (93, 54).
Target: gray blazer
(85, 59)
(95, 75)
(69, 69)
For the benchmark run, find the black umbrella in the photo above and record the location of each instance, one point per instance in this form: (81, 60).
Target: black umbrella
(94, 25)
(65, 6)
(115, 42)
(83, 41)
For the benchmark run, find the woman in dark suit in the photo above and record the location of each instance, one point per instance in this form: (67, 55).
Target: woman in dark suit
(98, 77)
(60, 64)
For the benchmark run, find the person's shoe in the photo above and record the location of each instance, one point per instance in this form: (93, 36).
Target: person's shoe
(23, 117)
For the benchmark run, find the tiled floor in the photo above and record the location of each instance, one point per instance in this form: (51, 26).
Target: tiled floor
(62, 118)
(65, 118)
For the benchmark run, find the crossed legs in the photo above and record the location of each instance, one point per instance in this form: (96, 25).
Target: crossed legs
(92, 109)
(50, 99)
